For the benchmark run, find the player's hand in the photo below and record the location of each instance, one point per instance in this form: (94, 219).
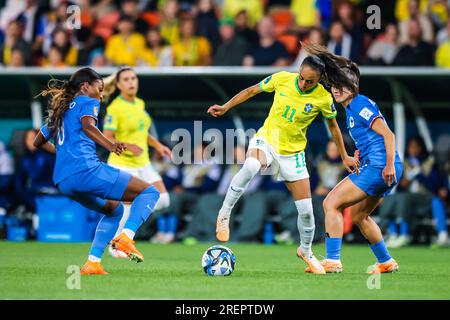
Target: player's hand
(118, 148)
(134, 149)
(357, 155)
(351, 164)
(217, 111)
(165, 151)
(388, 174)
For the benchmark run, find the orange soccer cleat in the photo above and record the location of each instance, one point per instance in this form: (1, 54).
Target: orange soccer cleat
(222, 228)
(389, 266)
(330, 266)
(314, 265)
(123, 243)
(92, 268)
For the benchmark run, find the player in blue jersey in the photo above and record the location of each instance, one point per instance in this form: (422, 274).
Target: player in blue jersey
(79, 174)
(380, 170)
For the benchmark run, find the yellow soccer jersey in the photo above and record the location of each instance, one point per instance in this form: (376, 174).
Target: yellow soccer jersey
(131, 123)
(292, 112)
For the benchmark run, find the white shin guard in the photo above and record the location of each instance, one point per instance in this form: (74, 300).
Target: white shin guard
(305, 224)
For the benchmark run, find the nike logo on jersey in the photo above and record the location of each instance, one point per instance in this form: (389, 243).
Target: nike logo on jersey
(282, 94)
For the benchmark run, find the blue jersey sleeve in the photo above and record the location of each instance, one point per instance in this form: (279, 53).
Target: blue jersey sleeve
(90, 108)
(46, 132)
(368, 111)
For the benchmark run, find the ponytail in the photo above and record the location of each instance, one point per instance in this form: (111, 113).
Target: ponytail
(336, 71)
(61, 94)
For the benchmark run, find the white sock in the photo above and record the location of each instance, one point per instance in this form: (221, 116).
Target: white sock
(95, 259)
(305, 224)
(126, 214)
(129, 233)
(239, 184)
(163, 201)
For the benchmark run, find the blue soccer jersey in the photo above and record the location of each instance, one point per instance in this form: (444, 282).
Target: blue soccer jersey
(75, 152)
(360, 114)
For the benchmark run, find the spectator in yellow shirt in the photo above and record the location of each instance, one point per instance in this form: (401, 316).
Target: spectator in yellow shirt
(169, 27)
(191, 50)
(157, 53)
(55, 58)
(254, 9)
(306, 13)
(443, 55)
(125, 48)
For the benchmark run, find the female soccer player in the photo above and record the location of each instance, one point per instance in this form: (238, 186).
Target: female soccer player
(128, 122)
(80, 175)
(380, 170)
(280, 143)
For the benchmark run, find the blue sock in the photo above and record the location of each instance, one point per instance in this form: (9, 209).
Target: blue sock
(438, 210)
(333, 246)
(172, 222)
(404, 228)
(380, 251)
(105, 231)
(392, 228)
(161, 223)
(141, 208)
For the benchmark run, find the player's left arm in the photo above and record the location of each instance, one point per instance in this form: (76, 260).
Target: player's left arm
(158, 146)
(350, 163)
(380, 127)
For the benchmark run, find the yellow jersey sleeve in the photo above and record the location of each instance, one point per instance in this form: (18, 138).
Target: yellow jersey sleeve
(111, 118)
(327, 108)
(270, 83)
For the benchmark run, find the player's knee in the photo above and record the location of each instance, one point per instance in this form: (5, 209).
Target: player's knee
(163, 202)
(112, 207)
(305, 209)
(152, 192)
(251, 167)
(329, 205)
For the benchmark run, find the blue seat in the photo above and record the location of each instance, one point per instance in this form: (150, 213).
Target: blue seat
(64, 220)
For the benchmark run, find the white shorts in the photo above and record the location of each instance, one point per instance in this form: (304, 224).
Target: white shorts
(147, 173)
(284, 167)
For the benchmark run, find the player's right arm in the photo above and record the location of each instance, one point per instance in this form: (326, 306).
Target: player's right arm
(244, 95)
(42, 140)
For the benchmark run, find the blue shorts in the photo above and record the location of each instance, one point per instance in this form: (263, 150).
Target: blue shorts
(101, 182)
(370, 179)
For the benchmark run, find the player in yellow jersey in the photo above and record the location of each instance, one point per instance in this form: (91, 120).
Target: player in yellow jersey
(128, 122)
(280, 143)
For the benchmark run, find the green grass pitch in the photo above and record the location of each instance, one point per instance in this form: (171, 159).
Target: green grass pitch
(34, 270)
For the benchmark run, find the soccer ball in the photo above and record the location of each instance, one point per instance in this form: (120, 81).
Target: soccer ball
(218, 261)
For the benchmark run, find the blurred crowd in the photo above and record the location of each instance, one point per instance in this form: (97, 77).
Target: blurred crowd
(220, 32)
(415, 213)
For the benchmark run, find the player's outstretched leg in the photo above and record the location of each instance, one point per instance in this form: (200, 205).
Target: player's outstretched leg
(144, 199)
(371, 231)
(163, 203)
(107, 226)
(238, 185)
